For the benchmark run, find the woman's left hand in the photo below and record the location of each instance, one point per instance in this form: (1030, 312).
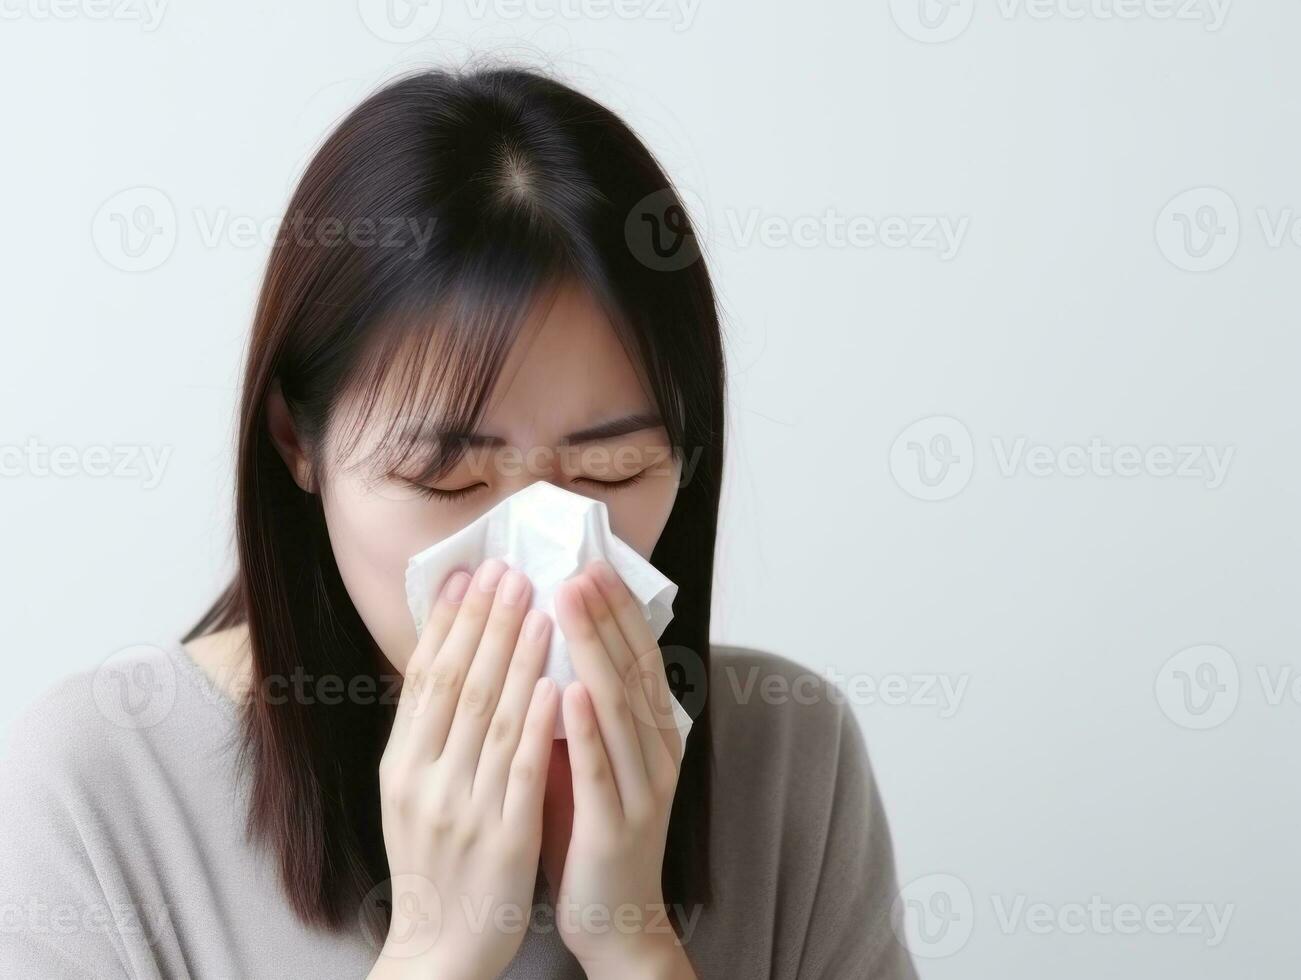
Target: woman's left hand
(624, 754)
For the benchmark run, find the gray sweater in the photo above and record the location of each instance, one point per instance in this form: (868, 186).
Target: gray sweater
(122, 848)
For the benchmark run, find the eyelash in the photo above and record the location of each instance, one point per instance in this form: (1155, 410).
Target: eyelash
(452, 495)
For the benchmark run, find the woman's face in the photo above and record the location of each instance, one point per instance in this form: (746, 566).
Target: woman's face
(566, 374)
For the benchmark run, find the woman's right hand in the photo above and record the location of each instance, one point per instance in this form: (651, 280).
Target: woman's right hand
(462, 780)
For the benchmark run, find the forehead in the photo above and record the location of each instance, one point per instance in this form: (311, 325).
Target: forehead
(566, 370)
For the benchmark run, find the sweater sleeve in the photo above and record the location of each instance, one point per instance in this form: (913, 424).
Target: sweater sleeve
(800, 843)
(849, 933)
(55, 919)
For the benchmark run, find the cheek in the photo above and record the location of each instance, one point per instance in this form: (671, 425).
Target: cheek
(638, 514)
(372, 537)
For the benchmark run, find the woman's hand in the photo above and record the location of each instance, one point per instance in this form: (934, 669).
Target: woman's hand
(462, 780)
(624, 756)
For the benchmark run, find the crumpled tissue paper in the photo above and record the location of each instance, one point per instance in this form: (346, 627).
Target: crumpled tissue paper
(550, 534)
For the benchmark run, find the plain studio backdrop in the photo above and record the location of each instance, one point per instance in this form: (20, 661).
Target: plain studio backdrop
(1010, 304)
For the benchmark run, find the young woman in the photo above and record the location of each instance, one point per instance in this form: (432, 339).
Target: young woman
(484, 279)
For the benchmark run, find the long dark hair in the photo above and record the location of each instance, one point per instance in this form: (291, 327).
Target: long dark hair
(444, 206)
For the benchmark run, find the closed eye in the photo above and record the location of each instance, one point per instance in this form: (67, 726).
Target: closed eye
(449, 495)
(434, 493)
(612, 484)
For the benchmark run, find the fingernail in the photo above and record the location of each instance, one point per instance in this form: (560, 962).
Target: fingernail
(535, 624)
(543, 688)
(455, 589)
(490, 574)
(512, 587)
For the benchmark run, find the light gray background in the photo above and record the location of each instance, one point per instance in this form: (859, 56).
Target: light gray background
(1091, 297)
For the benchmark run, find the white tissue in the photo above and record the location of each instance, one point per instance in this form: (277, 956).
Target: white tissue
(550, 535)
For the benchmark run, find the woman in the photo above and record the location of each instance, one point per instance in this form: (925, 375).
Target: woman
(484, 279)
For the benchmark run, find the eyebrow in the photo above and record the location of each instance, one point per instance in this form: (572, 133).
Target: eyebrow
(601, 432)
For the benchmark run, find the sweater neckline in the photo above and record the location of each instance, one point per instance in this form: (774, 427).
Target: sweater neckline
(209, 690)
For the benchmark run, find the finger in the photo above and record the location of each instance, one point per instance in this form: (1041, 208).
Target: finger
(595, 795)
(527, 782)
(414, 689)
(503, 739)
(606, 691)
(646, 653)
(445, 677)
(487, 674)
(649, 742)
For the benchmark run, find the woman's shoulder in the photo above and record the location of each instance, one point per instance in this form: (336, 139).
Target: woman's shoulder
(798, 828)
(781, 726)
(759, 693)
(84, 729)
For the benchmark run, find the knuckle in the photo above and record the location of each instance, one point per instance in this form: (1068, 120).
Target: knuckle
(503, 726)
(444, 678)
(477, 698)
(523, 771)
(600, 613)
(438, 816)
